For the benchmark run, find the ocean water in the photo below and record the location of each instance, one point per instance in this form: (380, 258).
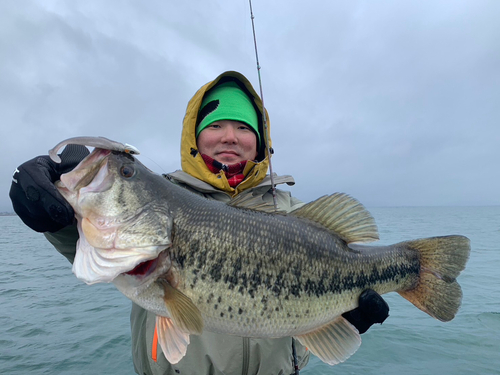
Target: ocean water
(51, 323)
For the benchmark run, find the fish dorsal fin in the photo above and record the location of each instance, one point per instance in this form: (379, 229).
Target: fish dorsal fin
(185, 315)
(172, 340)
(247, 200)
(343, 215)
(333, 343)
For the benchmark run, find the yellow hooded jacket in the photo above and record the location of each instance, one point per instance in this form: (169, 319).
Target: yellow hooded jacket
(191, 160)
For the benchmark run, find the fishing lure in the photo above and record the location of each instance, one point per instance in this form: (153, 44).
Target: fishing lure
(98, 142)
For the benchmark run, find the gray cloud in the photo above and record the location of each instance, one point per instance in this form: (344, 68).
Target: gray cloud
(393, 102)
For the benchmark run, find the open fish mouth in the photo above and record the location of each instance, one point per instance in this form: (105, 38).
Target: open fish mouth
(152, 267)
(144, 269)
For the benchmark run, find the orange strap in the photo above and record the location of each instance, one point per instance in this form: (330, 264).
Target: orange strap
(154, 350)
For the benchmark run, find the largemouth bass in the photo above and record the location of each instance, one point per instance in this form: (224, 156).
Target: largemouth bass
(235, 268)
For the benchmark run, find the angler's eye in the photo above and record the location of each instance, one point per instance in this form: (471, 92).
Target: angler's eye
(127, 171)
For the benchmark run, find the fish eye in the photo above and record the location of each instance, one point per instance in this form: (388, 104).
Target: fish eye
(127, 171)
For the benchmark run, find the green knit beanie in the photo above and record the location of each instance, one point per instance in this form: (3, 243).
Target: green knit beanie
(227, 102)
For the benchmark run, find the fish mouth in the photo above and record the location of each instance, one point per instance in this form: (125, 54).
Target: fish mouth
(144, 268)
(148, 267)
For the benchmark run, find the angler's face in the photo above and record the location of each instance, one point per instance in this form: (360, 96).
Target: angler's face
(228, 141)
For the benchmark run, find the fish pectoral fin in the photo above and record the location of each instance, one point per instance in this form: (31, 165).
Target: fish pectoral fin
(343, 215)
(172, 340)
(184, 313)
(333, 343)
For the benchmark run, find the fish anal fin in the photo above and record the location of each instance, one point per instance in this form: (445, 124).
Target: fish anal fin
(184, 313)
(334, 342)
(173, 341)
(343, 215)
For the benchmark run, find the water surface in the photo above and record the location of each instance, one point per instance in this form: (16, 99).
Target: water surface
(51, 323)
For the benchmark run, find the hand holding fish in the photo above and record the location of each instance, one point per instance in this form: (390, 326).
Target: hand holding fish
(34, 196)
(372, 309)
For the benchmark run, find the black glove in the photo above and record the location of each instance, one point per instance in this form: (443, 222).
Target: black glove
(372, 309)
(33, 194)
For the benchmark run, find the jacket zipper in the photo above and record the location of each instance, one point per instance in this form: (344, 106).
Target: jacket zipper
(246, 356)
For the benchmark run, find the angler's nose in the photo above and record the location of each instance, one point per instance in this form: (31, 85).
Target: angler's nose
(229, 135)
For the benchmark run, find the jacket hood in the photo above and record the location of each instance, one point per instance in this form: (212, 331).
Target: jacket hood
(191, 160)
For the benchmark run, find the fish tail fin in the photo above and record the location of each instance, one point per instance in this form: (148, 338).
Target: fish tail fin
(441, 260)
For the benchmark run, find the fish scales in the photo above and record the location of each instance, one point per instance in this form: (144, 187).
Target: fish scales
(244, 267)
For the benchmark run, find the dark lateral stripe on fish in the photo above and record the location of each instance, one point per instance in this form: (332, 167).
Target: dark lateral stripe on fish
(334, 283)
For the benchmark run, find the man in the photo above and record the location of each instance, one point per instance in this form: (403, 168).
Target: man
(223, 152)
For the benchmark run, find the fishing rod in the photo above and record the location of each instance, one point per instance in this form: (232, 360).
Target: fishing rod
(270, 152)
(269, 149)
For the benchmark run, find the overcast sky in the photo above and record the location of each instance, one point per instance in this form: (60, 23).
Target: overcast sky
(394, 102)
